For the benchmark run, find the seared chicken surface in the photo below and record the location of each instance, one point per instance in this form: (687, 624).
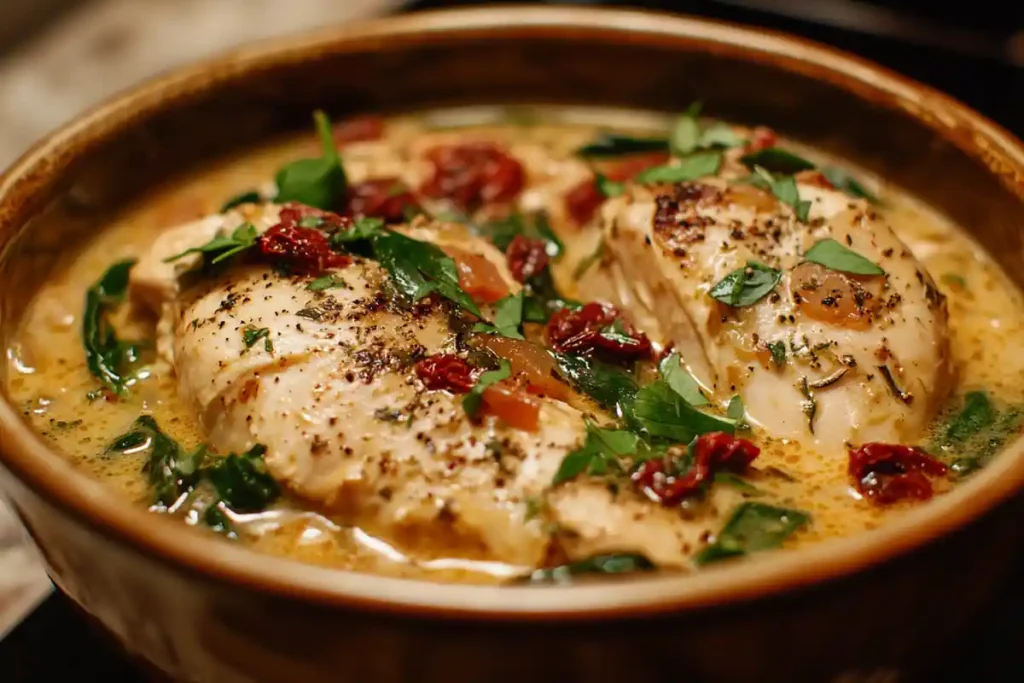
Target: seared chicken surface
(826, 358)
(348, 426)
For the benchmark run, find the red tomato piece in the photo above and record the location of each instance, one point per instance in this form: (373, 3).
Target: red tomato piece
(473, 174)
(511, 405)
(447, 372)
(527, 257)
(478, 277)
(358, 129)
(530, 364)
(887, 473)
(712, 452)
(385, 198)
(596, 326)
(305, 250)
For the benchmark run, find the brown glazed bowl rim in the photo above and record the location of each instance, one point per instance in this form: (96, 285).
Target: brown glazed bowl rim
(25, 187)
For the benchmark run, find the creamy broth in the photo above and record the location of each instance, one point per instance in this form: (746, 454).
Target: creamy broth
(50, 380)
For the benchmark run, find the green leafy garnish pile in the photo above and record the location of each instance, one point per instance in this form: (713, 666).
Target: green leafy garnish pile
(197, 480)
(110, 360)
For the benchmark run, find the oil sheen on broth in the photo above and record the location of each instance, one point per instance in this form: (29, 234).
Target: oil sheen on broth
(768, 365)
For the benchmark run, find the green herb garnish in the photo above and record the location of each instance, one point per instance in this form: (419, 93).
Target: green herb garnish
(362, 229)
(746, 286)
(835, 256)
(472, 401)
(776, 160)
(689, 136)
(842, 180)
(681, 381)
(223, 247)
(316, 182)
(109, 359)
(599, 564)
(508, 318)
(326, 282)
(778, 351)
(610, 386)
(751, 528)
(535, 225)
(602, 448)
(692, 167)
(661, 412)
(742, 485)
(251, 335)
(241, 481)
(251, 197)
(419, 268)
(609, 188)
(615, 145)
(785, 190)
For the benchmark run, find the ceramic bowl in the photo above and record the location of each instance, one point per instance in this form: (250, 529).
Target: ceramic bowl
(199, 609)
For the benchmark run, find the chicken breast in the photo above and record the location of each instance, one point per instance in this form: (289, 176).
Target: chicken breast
(332, 394)
(827, 357)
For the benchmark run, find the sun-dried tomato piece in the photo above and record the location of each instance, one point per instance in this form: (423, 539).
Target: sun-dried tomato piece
(527, 256)
(583, 201)
(385, 198)
(763, 138)
(596, 326)
(358, 129)
(304, 250)
(473, 174)
(630, 166)
(713, 452)
(887, 473)
(446, 371)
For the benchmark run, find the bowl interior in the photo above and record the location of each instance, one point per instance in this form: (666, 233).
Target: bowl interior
(934, 148)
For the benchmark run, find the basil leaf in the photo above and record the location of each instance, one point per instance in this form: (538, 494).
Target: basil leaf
(751, 528)
(953, 280)
(615, 145)
(776, 160)
(599, 564)
(746, 286)
(608, 385)
(685, 135)
(321, 182)
(834, 256)
(169, 471)
(472, 401)
(662, 412)
(692, 167)
(109, 359)
(242, 481)
(741, 485)
(977, 414)
(785, 190)
(842, 179)
(535, 225)
(778, 351)
(508, 317)
(720, 135)
(609, 188)
(736, 412)
(326, 282)
(221, 247)
(251, 197)
(419, 268)
(681, 381)
(362, 229)
(251, 335)
(602, 446)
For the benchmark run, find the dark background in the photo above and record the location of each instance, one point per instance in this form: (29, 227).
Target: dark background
(974, 51)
